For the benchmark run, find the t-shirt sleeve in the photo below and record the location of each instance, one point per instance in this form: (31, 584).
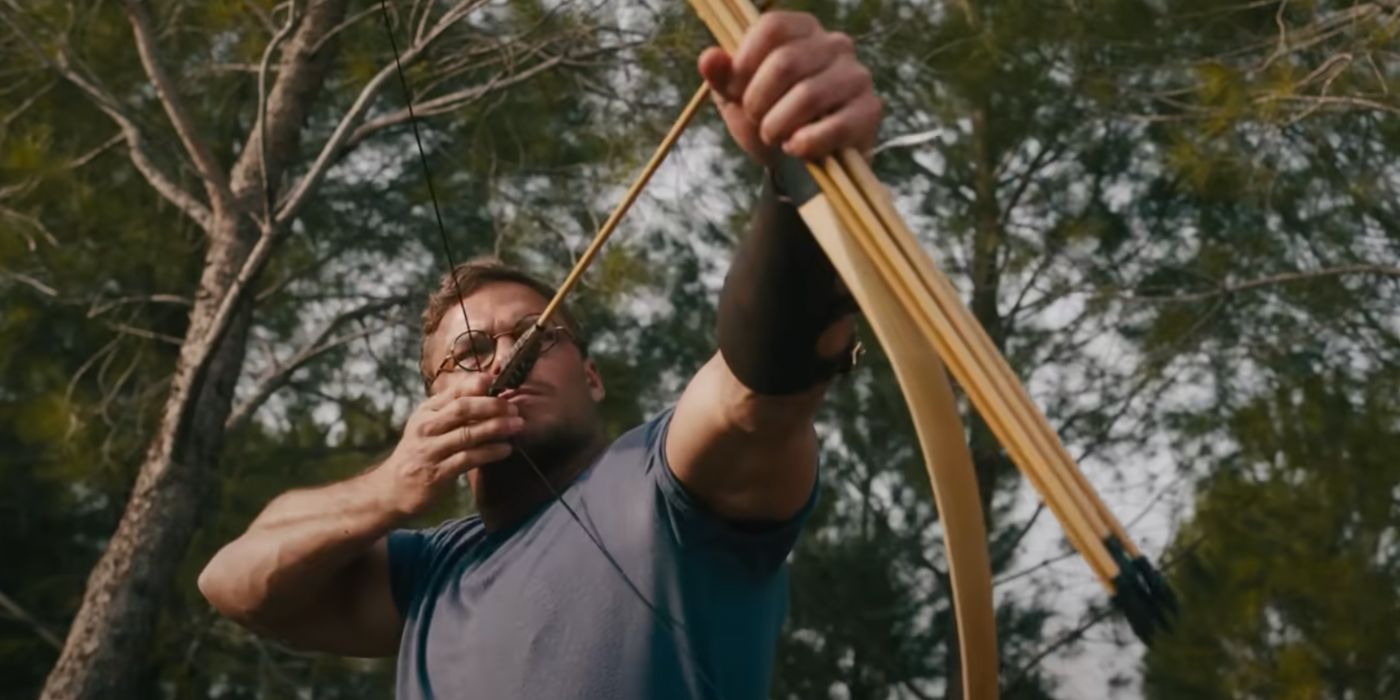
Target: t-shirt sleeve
(412, 555)
(406, 561)
(763, 545)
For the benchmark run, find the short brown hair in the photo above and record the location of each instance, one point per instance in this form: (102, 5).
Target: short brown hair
(472, 275)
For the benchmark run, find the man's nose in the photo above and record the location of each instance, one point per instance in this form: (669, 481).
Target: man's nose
(505, 345)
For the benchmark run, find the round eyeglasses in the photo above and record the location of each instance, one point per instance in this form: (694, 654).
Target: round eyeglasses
(475, 350)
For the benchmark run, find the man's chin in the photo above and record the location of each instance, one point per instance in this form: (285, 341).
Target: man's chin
(549, 444)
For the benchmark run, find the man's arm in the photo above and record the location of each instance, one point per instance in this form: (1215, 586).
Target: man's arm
(741, 439)
(751, 455)
(313, 568)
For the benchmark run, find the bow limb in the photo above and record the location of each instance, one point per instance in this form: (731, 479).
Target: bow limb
(932, 407)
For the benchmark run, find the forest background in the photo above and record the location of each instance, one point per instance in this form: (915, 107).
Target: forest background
(1178, 219)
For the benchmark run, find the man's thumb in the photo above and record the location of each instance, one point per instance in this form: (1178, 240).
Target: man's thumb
(718, 70)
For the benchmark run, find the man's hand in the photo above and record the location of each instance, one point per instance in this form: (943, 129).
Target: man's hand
(453, 432)
(793, 87)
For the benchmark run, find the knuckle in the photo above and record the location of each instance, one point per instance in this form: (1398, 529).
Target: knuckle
(502, 426)
(767, 132)
(771, 22)
(805, 96)
(797, 21)
(784, 65)
(752, 111)
(800, 145)
(862, 76)
(486, 429)
(842, 42)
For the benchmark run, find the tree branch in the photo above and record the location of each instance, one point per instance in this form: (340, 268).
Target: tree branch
(449, 102)
(136, 145)
(1315, 102)
(261, 127)
(337, 29)
(215, 180)
(262, 16)
(333, 147)
(1067, 638)
(143, 333)
(279, 373)
(46, 634)
(1282, 278)
(97, 309)
(39, 286)
(23, 107)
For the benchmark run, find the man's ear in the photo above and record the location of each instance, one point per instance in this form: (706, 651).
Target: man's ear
(594, 379)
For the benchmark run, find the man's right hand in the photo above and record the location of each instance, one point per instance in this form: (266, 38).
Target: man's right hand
(451, 433)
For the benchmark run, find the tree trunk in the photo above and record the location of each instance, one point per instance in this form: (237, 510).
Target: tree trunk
(109, 642)
(988, 458)
(987, 243)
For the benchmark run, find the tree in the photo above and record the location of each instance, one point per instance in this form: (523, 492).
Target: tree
(1289, 566)
(1169, 215)
(1270, 294)
(240, 177)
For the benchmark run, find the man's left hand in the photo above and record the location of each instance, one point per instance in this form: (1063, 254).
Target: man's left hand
(793, 87)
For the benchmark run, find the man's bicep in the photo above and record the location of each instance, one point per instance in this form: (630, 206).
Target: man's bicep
(744, 456)
(357, 617)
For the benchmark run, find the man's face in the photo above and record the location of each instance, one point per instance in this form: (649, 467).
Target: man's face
(559, 397)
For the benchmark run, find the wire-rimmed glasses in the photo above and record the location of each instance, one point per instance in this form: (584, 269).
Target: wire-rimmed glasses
(475, 350)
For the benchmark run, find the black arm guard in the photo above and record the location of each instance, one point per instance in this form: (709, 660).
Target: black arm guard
(781, 294)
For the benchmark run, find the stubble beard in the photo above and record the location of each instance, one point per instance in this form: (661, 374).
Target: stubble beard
(505, 489)
(553, 447)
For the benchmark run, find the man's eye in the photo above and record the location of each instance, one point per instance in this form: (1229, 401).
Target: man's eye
(481, 344)
(470, 347)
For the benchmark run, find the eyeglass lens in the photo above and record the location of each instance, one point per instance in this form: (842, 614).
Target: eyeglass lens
(475, 349)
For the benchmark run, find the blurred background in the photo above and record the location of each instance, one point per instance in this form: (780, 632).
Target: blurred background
(1179, 219)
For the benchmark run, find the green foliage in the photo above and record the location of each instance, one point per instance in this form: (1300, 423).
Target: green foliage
(1113, 183)
(1289, 567)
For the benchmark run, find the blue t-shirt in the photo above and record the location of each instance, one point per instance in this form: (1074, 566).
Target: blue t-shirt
(536, 612)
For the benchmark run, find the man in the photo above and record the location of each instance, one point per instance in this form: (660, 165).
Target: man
(658, 573)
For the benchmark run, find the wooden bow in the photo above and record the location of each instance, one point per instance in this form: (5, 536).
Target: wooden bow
(918, 317)
(916, 312)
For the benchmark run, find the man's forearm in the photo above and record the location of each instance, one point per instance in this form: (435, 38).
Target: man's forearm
(783, 313)
(296, 547)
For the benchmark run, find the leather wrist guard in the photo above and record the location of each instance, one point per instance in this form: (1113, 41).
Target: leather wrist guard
(780, 295)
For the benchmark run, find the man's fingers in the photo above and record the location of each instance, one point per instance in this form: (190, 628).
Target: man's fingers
(718, 70)
(462, 384)
(464, 461)
(786, 67)
(855, 120)
(814, 98)
(772, 30)
(473, 435)
(464, 410)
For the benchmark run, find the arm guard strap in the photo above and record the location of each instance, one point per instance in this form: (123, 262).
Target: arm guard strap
(780, 295)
